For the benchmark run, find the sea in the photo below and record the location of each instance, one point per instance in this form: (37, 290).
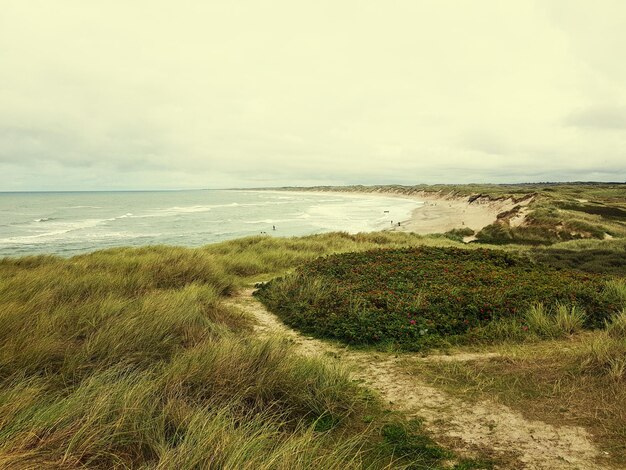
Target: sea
(70, 223)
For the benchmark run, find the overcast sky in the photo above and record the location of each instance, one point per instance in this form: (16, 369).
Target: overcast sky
(141, 94)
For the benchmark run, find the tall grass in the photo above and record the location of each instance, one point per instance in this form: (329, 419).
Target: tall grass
(563, 320)
(536, 322)
(606, 354)
(615, 290)
(262, 257)
(616, 326)
(130, 358)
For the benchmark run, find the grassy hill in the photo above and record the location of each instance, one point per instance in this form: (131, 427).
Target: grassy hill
(130, 358)
(134, 358)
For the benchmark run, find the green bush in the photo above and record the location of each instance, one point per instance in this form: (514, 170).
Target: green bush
(458, 234)
(611, 259)
(417, 297)
(500, 233)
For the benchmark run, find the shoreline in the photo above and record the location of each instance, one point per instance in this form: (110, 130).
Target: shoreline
(419, 212)
(438, 213)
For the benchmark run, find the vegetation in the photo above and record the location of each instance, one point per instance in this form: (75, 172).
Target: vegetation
(613, 192)
(421, 297)
(553, 212)
(595, 256)
(573, 378)
(263, 257)
(130, 358)
(576, 381)
(458, 234)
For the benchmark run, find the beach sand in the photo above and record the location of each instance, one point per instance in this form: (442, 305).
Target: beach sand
(441, 214)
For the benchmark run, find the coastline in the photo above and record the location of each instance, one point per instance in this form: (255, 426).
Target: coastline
(92, 224)
(438, 213)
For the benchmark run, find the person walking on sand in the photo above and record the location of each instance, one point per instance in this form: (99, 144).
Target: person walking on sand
(273, 227)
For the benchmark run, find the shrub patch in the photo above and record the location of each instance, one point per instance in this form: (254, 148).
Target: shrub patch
(418, 296)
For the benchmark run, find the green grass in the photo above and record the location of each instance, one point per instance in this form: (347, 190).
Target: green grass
(611, 192)
(458, 234)
(424, 297)
(130, 358)
(576, 380)
(262, 258)
(616, 326)
(595, 256)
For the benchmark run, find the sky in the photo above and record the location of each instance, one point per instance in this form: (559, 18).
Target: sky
(150, 94)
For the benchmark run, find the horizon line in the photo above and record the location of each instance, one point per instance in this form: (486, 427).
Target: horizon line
(304, 187)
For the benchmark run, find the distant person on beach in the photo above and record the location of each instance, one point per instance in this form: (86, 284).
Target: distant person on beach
(398, 224)
(273, 227)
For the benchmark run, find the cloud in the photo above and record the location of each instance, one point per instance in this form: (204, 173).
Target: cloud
(485, 142)
(598, 117)
(162, 94)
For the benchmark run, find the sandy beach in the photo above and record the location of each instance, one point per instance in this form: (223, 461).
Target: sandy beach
(441, 213)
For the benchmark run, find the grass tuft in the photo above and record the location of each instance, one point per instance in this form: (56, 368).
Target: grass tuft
(616, 325)
(615, 291)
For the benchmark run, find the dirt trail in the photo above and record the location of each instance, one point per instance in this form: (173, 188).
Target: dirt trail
(486, 426)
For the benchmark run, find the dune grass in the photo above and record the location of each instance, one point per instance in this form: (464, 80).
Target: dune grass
(130, 358)
(262, 257)
(554, 371)
(577, 380)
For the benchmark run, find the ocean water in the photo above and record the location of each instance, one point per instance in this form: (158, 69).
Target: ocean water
(78, 222)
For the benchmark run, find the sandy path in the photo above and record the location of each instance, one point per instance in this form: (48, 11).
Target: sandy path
(466, 427)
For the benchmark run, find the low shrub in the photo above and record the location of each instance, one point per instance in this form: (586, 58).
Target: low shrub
(418, 297)
(595, 260)
(458, 234)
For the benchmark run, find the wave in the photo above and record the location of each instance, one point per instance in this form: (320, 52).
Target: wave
(178, 210)
(184, 223)
(61, 237)
(55, 232)
(269, 221)
(48, 219)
